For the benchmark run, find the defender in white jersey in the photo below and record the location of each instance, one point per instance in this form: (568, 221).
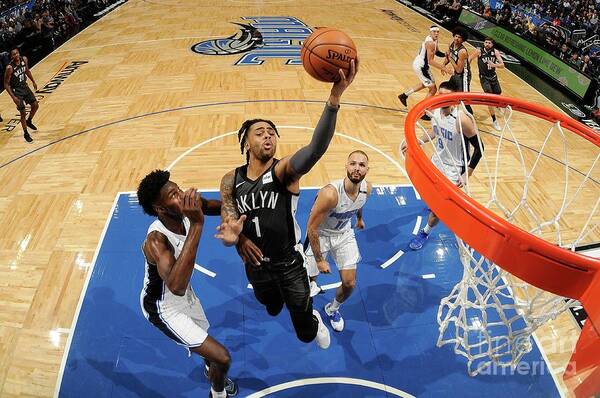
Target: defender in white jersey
(421, 65)
(167, 298)
(329, 231)
(452, 128)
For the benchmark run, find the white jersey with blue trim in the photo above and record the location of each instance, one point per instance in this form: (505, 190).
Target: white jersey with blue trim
(448, 139)
(421, 58)
(339, 218)
(155, 293)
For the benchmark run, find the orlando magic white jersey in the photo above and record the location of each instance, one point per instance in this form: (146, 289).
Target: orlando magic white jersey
(156, 297)
(448, 139)
(421, 58)
(339, 218)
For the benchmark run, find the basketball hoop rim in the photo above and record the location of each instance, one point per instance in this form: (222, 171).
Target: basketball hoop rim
(509, 241)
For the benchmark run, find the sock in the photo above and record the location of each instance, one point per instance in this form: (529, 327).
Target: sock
(334, 305)
(494, 118)
(427, 229)
(409, 92)
(219, 394)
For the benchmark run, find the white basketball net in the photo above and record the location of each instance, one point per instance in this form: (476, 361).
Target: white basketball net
(490, 315)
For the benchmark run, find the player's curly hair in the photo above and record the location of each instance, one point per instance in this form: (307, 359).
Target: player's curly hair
(243, 132)
(462, 32)
(149, 190)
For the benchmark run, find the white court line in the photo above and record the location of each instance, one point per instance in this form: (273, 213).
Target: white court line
(417, 225)
(192, 149)
(428, 276)
(330, 380)
(63, 363)
(204, 270)
(392, 260)
(331, 286)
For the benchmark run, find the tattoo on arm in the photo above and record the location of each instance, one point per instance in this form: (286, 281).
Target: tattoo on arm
(315, 245)
(228, 208)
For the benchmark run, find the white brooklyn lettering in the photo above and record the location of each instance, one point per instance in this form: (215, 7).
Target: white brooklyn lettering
(245, 206)
(263, 197)
(273, 200)
(253, 202)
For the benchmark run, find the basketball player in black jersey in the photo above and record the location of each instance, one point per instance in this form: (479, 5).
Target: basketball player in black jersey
(168, 301)
(458, 57)
(488, 60)
(266, 191)
(15, 83)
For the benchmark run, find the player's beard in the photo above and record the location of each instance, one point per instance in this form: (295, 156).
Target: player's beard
(355, 180)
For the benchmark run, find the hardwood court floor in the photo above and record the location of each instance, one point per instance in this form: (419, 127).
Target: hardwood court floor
(143, 98)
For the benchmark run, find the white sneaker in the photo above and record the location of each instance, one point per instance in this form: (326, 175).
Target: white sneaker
(335, 318)
(323, 339)
(496, 125)
(315, 289)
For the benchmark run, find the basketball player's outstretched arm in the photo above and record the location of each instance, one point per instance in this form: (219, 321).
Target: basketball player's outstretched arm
(424, 138)
(360, 222)
(431, 53)
(474, 54)
(500, 63)
(291, 168)
(176, 273)
(326, 200)
(28, 73)
(230, 216)
(469, 130)
(7, 75)
(211, 207)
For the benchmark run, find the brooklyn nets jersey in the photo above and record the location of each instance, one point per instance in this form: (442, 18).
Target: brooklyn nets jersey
(454, 56)
(270, 211)
(338, 219)
(484, 70)
(448, 139)
(18, 78)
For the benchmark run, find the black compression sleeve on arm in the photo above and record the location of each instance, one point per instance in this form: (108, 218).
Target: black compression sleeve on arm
(438, 53)
(477, 152)
(303, 160)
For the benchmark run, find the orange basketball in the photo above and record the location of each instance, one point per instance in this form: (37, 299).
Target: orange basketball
(326, 51)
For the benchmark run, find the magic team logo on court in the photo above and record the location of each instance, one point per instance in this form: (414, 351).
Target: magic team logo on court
(261, 38)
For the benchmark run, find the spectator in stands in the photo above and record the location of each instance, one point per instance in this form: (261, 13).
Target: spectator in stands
(563, 53)
(586, 65)
(47, 30)
(454, 11)
(575, 60)
(487, 12)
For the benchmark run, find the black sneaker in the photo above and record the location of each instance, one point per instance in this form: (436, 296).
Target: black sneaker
(30, 125)
(403, 97)
(426, 117)
(27, 137)
(231, 387)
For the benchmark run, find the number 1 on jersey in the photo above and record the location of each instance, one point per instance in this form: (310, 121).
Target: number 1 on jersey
(257, 226)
